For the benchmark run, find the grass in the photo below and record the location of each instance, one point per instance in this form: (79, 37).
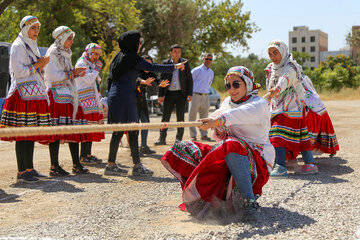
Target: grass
(344, 94)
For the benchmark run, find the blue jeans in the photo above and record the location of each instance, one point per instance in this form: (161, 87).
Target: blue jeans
(240, 170)
(280, 156)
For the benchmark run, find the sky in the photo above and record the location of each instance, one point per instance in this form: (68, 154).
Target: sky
(277, 17)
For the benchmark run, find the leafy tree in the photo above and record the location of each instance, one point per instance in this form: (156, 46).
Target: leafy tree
(198, 25)
(301, 57)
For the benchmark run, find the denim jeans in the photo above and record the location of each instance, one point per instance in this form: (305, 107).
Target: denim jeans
(240, 170)
(280, 156)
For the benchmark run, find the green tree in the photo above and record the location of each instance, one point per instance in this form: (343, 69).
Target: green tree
(301, 57)
(198, 25)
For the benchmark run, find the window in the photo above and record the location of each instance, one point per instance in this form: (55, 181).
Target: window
(312, 49)
(303, 49)
(312, 39)
(294, 49)
(294, 40)
(312, 68)
(303, 39)
(312, 59)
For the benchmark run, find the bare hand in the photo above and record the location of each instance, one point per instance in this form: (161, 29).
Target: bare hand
(208, 123)
(79, 72)
(164, 83)
(189, 98)
(161, 100)
(41, 63)
(148, 81)
(180, 66)
(273, 93)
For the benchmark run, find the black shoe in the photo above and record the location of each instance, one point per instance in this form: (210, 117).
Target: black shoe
(97, 160)
(193, 139)
(251, 208)
(141, 170)
(27, 178)
(37, 174)
(58, 172)
(87, 161)
(146, 150)
(206, 138)
(160, 142)
(79, 169)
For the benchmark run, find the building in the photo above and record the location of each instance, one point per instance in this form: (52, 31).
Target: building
(355, 49)
(301, 39)
(324, 55)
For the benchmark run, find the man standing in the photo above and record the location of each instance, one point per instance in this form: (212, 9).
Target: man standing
(203, 77)
(176, 94)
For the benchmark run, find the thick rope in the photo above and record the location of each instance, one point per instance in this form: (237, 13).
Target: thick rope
(76, 129)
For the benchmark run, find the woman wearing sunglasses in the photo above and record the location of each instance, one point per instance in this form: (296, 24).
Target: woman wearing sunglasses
(238, 166)
(289, 132)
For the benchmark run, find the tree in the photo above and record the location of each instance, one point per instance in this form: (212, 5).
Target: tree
(198, 25)
(4, 4)
(301, 57)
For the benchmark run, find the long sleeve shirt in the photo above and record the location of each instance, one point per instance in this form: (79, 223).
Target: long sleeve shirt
(202, 78)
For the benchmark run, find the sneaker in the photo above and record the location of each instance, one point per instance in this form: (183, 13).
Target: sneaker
(27, 177)
(115, 171)
(307, 169)
(141, 170)
(79, 169)
(87, 161)
(146, 150)
(160, 142)
(37, 174)
(97, 160)
(279, 171)
(251, 208)
(58, 172)
(206, 138)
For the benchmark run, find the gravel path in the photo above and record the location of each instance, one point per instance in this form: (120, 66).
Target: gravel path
(94, 206)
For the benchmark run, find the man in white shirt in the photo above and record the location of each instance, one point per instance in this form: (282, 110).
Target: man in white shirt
(203, 77)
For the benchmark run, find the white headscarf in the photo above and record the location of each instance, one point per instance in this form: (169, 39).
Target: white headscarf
(286, 59)
(246, 75)
(63, 58)
(25, 25)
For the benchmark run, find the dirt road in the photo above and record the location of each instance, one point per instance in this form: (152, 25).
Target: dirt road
(94, 206)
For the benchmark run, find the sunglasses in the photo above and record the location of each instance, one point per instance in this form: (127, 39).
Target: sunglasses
(208, 59)
(236, 84)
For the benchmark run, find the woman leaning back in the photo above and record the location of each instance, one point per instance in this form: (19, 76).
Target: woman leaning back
(238, 166)
(287, 106)
(27, 103)
(64, 104)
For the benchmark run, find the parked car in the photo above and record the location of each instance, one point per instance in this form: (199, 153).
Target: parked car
(214, 98)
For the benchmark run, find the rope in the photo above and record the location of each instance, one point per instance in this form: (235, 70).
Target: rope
(76, 129)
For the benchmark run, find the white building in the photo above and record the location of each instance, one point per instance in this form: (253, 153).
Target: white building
(301, 39)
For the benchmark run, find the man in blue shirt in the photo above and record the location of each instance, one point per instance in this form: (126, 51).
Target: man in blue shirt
(203, 77)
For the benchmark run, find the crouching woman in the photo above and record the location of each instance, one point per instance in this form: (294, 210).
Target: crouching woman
(238, 166)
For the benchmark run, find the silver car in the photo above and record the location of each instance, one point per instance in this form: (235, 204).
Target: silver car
(214, 98)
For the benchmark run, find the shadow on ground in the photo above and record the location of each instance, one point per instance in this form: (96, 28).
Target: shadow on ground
(8, 198)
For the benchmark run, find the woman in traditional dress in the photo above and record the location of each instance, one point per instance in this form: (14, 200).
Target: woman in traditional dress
(64, 104)
(289, 131)
(244, 152)
(124, 71)
(89, 97)
(27, 103)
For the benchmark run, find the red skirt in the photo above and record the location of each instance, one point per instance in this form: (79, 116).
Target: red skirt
(61, 115)
(321, 132)
(204, 175)
(95, 118)
(31, 113)
(291, 133)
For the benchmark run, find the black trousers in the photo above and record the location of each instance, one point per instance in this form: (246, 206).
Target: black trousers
(24, 155)
(85, 149)
(54, 152)
(178, 100)
(133, 142)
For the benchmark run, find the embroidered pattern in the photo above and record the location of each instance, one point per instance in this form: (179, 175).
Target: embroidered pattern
(30, 90)
(289, 134)
(187, 151)
(61, 97)
(24, 119)
(88, 101)
(32, 69)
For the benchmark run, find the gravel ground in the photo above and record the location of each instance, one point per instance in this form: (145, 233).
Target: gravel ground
(94, 206)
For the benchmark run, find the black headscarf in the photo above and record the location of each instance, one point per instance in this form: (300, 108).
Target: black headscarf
(127, 58)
